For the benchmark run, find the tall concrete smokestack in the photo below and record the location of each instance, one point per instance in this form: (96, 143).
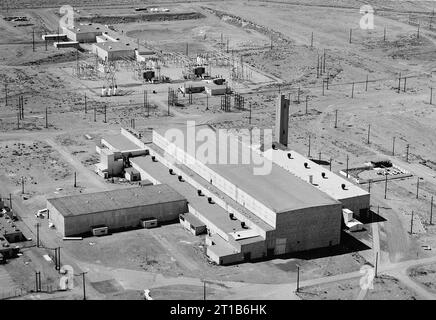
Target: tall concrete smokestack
(282, 120)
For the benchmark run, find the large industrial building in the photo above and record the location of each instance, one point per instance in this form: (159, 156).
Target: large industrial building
(115, 210)
(247, 216)
(298, 216)
(296, 206)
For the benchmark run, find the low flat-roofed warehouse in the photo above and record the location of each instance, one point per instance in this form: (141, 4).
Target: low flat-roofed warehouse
(116, 209)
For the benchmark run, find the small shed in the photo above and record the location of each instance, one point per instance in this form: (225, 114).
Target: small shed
(215, 90)
(192, 223)
(132, 174)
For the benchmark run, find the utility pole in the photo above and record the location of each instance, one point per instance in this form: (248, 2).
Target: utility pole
(431, 210)
(411, 224)
(331, 160)
(59, 258)
(10, 201)
(351, 32)
(369, 133)
(347, 165)
(105, 113)
(22, 185)
(307, 101)
(431, 95)
(317, 67)
(405, 80)
(336, 118)
(38, 281)
(95, 114)
(46, 117)
(384, 35)
(407, 153)
(393, 146)
(37, 234)
(86, 109)
(75, 180)
(298, 279)
(33, 39)
(399, 83)
(308, 154)
(311, 41)
(369, 185)
(417, 34)
(204, 290)
(386, 185)
(417, 188)
(84, 284)
(323, 65)
(249, 117)
(376, 264)
(366, 83)
(352, 91)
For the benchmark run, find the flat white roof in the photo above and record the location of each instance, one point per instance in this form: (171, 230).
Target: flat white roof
(331, 184)
(278, 189)
(244, 234)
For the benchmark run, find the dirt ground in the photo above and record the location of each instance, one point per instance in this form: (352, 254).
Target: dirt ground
(384, 288)
(425, 276)
(273, 40)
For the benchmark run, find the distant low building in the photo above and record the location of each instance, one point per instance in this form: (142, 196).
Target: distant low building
(84, 33)
(111, 51)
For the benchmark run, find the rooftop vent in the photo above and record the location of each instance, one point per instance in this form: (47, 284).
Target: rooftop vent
(199, 192)
(274, 146)
(343, 186)
(209, 199)
(306, 165)
(180, 178)
(171, 171)
(311, 179)
(153, 158)
(231, 216)
(243, 224)
(289, 155)
(323, 174)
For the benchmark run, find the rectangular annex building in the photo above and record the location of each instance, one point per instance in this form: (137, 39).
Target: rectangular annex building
(117, 210)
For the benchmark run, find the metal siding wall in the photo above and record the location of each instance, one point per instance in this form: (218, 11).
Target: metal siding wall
(310, 228)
